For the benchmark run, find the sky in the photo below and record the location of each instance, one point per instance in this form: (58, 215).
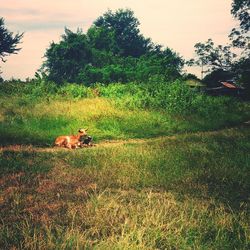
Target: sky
(177, 24)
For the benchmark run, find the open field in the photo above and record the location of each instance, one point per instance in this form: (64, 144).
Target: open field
(187, 191)
(155, 180)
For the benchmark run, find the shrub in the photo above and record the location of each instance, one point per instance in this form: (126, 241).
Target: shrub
(75, 91)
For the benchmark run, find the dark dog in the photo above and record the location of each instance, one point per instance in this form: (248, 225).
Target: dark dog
(86, 141)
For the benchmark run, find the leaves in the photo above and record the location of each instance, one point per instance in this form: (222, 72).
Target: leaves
(240, 36)
(214, 57)
(8, 41)
(127, 35)
(112, 50)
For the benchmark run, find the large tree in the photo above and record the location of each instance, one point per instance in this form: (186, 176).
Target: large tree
(240, 35)
(8, 41)
(125, 27)
(213, 57)
(112, 50)
(220, 59)
(68, 57)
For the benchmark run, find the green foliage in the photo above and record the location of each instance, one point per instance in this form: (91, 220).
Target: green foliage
(102, 39)
(106, 74)
(242, 72)
(112, 50)
(164, 63)
(213, 57)
(66, 59)
(219, 60)
(212, 79)
(74, 91)
(221, 64)
(190, 76)
(240, 35)
(175, 98)
(124, 26)
(33, 90)
(239, 10)
(41, 111)
(8, 41)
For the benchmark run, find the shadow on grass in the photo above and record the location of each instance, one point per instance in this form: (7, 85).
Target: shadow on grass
(25, 161)
(234, 194)
(219, 167)
(37, 131)
(13, 139)
(203, 165)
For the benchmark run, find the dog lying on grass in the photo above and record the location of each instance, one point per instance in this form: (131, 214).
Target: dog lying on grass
(74, 141)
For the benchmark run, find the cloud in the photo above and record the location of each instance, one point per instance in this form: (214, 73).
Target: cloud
(48, 25)
(14, 11)
(27, 15)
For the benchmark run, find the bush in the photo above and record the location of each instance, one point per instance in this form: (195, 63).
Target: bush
(74, 91)
(175, 98)
(32, 90)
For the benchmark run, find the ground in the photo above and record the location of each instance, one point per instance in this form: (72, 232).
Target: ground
(187, 191)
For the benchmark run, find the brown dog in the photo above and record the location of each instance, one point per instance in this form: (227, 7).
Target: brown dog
(71, 141)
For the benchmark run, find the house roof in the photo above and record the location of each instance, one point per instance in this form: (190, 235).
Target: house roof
(229, 85)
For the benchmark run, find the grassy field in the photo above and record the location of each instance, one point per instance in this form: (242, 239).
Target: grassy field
(40, 121)
(155, 180)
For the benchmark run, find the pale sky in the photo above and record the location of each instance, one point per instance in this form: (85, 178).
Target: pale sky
(177, 24)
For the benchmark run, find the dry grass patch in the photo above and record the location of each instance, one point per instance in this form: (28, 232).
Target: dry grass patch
(119, 219)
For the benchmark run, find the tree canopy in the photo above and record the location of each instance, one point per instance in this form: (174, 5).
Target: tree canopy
(112, 50)
(66, 59)
(8, 41)
(240, 35)
(124, 25)
(213, 57)
(220, 61)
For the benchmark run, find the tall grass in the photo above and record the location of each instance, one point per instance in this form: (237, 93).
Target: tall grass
(35, 113)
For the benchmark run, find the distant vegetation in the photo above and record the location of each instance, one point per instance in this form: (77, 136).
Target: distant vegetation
(39, 111)
(220, 62)
(112, 50)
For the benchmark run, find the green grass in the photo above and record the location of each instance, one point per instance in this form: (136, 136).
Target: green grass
(39, 122)
(183, 192)
(168, 180)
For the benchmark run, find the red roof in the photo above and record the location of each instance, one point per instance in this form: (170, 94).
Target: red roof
(229, 85)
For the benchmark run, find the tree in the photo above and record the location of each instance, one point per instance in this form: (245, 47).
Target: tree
(103, 39)
(126, 32)
(163, 63)
(240, 35)
(213, 57)
(241, 39)
(242, 72)
(112, 50)
(68, 57)
(8, 41)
